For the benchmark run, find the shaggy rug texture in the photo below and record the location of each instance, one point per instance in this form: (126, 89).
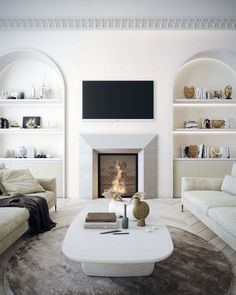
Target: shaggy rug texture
(195, 267)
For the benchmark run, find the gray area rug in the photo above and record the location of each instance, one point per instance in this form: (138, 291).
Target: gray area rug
(195, 267)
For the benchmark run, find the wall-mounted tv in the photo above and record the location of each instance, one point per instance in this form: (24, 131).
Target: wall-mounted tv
(118, 100)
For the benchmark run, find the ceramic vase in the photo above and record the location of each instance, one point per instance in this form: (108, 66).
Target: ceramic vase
(118, 208)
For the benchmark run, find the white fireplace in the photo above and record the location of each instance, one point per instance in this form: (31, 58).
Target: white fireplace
(145, 145)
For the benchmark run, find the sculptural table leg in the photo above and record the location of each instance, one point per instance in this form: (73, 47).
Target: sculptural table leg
(141, 222)
(118, 270)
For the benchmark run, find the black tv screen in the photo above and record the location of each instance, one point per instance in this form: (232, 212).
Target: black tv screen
(117, 99)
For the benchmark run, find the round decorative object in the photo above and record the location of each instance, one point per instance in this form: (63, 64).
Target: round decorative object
(217, 123)
(140, 211)
(191, 151)
(189, 92)
(118, 208)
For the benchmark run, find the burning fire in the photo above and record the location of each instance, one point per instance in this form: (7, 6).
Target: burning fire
(118, 184)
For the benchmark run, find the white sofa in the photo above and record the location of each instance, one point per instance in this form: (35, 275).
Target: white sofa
(214, 207)
(14, 221)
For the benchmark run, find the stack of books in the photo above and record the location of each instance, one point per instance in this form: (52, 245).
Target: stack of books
(101, 220)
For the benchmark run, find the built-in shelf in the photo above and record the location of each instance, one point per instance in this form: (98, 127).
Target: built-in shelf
(195, 72)
(203, 131)
(204, 102)
(29, 130)
(204, 159)
(41, 74)
(30, 101)
(31, 159)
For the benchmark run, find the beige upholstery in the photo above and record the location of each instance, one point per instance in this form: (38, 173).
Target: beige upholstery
(214, 207)
(201, 184)
(7, 223)
(48, 195)
(14, 221)
(2, 166)
(20, 182)
(204, 200)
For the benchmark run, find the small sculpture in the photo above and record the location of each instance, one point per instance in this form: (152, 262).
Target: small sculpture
(217, 94)
(191, 151)
(217, 123)
(214, 153)
(206, 123)
(189, 92)
(228, 92)
(141, 209)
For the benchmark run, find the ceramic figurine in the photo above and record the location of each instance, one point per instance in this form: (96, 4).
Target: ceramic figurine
(189, 92)
(228, 92)
(141, 209)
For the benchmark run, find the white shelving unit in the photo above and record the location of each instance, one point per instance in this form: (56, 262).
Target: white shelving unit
(37, 68)
(30, 131)
(211, 71)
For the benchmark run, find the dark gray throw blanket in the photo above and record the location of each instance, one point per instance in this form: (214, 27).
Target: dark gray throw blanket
(39, 220)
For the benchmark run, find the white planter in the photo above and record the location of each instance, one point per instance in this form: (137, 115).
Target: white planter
(118, 208)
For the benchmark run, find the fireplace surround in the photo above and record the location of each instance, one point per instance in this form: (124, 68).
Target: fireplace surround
(91, 145)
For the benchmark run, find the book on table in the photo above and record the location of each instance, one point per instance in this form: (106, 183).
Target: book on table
(100, 217)
(100, 220)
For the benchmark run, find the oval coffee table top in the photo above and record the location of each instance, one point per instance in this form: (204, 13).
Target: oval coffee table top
(147, 244)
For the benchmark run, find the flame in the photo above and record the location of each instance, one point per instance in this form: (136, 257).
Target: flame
(117, 183)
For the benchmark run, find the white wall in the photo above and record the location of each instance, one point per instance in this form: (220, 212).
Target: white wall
(118, 8)
(155, 55)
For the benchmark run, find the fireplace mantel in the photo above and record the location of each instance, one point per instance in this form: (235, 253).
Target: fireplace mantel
(92, 144)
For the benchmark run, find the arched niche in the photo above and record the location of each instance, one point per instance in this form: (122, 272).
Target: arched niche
(20, 69)
(211, 70)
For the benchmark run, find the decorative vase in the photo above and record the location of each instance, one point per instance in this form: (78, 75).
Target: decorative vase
(141, 210)
(118, 208)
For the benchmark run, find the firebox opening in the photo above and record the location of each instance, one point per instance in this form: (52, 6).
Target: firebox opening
(119, 172)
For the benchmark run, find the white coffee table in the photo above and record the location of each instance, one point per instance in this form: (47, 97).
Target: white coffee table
(109, 255)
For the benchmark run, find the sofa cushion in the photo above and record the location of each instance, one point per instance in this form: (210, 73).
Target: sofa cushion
(225, 217)
(11, 218)
(229, 185)
(204, 200)
(20, 182)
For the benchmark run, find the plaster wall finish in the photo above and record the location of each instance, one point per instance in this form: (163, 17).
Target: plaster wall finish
(86, 55)
(117, 8)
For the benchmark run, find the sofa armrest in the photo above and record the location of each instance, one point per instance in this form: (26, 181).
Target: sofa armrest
(201, 184)
(49, 184)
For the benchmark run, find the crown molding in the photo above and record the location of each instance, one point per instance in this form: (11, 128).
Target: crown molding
(118, 23)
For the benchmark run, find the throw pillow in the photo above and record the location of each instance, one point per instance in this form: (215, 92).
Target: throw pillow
(20, 182)
(229, 185)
